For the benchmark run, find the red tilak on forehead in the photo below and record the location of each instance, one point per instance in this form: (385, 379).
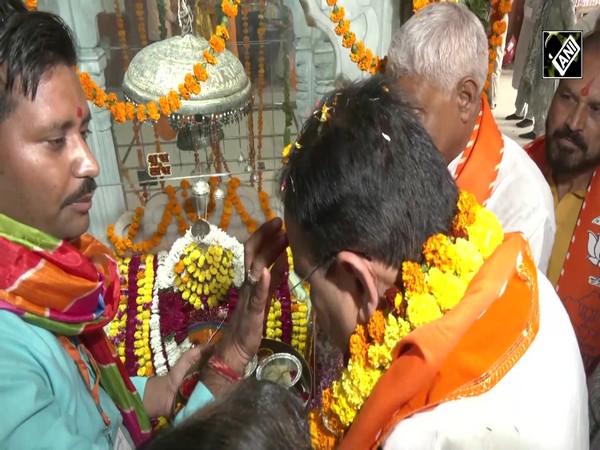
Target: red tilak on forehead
(586, 89)
(79, 112)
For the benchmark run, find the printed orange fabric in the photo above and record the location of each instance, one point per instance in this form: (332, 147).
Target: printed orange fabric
(444, 360)
(478, 168)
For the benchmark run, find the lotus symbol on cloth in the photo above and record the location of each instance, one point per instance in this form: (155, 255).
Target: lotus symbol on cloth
(593, 248)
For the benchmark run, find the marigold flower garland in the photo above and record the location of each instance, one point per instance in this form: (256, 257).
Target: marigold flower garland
(142, 349)
(175, 209)
(500, 8)
(363, 57)
(116, 329)
(31, 5)
(428, 291)
(204, 277)
(170, 103)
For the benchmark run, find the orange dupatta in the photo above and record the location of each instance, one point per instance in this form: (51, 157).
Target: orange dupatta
(579, 282)
(445, 359)
(478, 168)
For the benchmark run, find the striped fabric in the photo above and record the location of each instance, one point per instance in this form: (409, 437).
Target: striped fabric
(71, 289)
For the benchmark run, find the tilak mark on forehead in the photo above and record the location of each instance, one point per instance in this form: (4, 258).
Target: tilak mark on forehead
(586, 89)
(79, 112)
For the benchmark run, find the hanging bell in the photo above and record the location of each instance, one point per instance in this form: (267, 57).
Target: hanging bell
(248, 168)
(254, 177)
(241, 159)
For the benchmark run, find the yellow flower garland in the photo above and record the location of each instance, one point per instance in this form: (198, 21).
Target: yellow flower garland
(274, 321)
(206, 274)
(142, 333)
(120, 321)
(170, 103)
(429, 291)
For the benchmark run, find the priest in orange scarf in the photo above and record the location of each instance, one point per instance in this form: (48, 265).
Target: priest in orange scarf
(452, 338)
(439, 59)
(569, 156)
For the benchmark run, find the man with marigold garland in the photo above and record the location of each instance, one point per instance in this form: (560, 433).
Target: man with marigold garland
(451, 335)
(61, 381)
(569, 156)
(439, 59)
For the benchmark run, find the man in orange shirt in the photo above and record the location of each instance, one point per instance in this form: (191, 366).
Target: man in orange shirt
(569, 155)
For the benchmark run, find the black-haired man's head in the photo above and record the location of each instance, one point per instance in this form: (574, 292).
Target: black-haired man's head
(364, 191)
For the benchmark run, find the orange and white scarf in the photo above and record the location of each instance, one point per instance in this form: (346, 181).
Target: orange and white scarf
(478, 167)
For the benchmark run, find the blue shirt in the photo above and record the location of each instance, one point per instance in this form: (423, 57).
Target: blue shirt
(45, 402)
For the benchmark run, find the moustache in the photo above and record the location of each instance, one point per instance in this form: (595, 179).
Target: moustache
(88, 187)
(575, 137)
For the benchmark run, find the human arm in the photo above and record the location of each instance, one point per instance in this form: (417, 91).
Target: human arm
(43, 394)
(264, 249)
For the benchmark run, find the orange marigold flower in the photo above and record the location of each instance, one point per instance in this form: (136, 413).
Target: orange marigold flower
(170, 190)
(331, 2)
(153, 111)
(185, 184)
(99, 98)
(191, 84)
(376, 327)
(365, 62)
(217, 43)
(200, 72)
(209, 57)
(222, 31)
(87, 84)
(342, 28)
(111, 98)
(358, 345)
(129, 110)
(467, 208)
(141, 113)
(174, 101)
(320, 436)
(357, 52)
(31, 4)
(436, 252)
(229, 9)
(337, 14)
(183, 91)
(413, 277)
(120, 112)
(165, 108)
(349, 40)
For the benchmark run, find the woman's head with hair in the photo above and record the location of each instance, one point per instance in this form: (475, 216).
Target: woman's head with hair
(255, 415)
(364, 191)
(439, 58)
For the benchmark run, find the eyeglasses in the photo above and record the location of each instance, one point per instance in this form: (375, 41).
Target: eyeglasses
(328, 261)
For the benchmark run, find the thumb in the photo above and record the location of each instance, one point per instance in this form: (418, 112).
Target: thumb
(260, 293)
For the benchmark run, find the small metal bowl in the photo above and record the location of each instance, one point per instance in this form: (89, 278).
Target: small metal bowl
(289, 363)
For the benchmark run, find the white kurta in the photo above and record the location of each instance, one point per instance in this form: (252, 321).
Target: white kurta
(541, 403)
(522, 201)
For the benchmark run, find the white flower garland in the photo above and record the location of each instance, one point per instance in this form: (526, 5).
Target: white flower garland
(160, 360)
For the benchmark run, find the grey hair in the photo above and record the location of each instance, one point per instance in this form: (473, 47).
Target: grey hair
(442, 43)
